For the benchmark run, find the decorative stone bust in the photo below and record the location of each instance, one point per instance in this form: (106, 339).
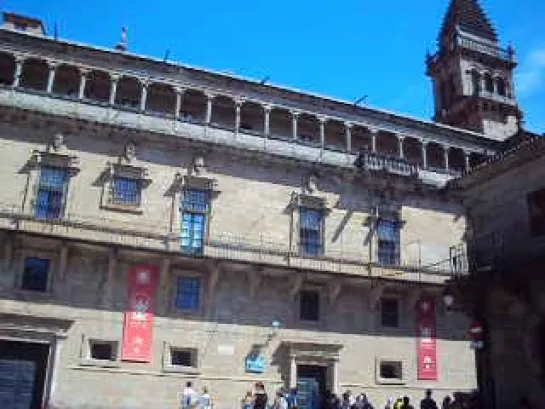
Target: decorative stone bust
(311, 185)
(57, 142)
(199, 165)
(129, 153)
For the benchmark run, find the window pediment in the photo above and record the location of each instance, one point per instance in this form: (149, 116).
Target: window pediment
(54, 159)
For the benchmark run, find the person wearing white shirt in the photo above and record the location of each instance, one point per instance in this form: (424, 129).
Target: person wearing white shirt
(188, 396)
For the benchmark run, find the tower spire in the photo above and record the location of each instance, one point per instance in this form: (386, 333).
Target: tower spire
(467, 16)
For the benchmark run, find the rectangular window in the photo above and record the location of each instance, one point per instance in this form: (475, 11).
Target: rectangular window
(35, 274)
(389, 313)
(126, 191)
(102, 350)
(51, 192)
(391, 370)
(309, 308)
(388, 242)
(194, 209)
(182, 357)
(311, 229)
(536, 210)
(188, 293)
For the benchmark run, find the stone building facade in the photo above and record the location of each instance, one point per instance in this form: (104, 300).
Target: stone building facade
(292, 236)
(504, 292)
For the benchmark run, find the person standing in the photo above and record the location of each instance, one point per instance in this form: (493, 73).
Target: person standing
(205, 401)
(407, 403)
(189, 396)
(428, 402)
(248, 401)
(260, 396)
(292, 399)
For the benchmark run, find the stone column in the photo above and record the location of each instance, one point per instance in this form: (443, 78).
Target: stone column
(19, 61)
(294, 116)
(348, 136)
(445, 153)
(322, 132)
(238, 105)
(424, 147)
(400, 140)
(113, 88)
(467, 157)
(51, 77)
(83, 72)
(293, 372)
(209, 100)
(335, 376)
(267, 125)
(179, 93)
(143, 95)
(374, 134)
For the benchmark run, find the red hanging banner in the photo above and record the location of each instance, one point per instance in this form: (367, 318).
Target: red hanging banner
(137, 333)
(426, 340)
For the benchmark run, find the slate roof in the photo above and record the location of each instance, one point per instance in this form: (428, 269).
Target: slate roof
(470, 17)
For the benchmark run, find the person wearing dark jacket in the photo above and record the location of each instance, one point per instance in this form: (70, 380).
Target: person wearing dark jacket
(428, 402)
(260, 396)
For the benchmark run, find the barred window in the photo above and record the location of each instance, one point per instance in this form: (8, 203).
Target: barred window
(311, 228)
(188, 291)
(126, 191)
(194, 208)
(388, 242)
(51, 192)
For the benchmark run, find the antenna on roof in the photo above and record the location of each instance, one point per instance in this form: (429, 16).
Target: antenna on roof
(56, 31)
(264, 80)
(360, 100)
(167, 54)
(122, 45)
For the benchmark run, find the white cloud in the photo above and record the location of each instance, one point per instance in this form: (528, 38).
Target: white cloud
(531, 76)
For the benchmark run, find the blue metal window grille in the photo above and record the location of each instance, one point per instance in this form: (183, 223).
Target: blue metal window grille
(311, 222)
(388, 242)
(309, 308)
(195, 206)
(51, 191)
(188, 291)
(126, 191)
(35, 274)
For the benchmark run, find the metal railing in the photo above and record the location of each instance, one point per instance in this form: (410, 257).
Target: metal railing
(488, 49)
(505, 246)
(257, 248)
(372, 161)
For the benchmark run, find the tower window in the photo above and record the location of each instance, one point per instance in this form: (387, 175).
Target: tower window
(475, 82)
(488, 83)
(309, 305)
(502, 89)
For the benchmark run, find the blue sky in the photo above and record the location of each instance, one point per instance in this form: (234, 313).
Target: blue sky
(344, 49)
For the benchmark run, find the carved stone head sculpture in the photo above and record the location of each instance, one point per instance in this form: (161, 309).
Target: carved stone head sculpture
(129, 153)
(311, 185)
(57, 142)
(199, 165)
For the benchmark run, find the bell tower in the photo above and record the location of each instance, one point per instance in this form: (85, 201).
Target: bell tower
(472, 75)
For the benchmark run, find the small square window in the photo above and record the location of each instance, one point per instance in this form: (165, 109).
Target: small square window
(126, 191)
(188, 293)
(309, 308)
(182, 357)
(35, 274)
(391, 370)
(389, 313)
(102, 350)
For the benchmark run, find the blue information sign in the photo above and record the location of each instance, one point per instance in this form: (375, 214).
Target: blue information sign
(255, 363)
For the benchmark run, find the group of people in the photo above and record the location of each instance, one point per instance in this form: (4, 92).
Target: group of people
(289, 399)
